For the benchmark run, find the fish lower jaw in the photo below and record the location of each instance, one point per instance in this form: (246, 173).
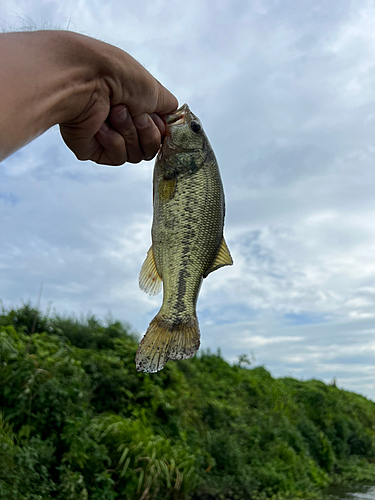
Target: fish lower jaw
(178, 117)
(180, 121)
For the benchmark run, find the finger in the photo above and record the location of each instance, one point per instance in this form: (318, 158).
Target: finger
(111, 148)
(166, 101)
(159, 123)
(82, 146)
(148, 134)
(121, 121)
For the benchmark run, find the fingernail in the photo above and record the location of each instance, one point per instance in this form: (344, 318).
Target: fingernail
(141, 120)
(122, 114)
(104, 128)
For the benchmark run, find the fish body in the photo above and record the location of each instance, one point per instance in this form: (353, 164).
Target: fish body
(187, 239)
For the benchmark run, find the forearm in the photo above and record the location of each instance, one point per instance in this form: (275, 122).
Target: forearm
(106, 103)
(40, 85)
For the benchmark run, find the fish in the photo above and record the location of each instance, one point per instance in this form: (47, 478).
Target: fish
(187, 239)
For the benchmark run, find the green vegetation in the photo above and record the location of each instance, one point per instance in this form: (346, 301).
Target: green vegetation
(78, 422)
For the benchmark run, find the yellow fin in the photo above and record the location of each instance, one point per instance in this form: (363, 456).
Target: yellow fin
(165, 340)
(167, 188)
(149, 279)
(223, 258)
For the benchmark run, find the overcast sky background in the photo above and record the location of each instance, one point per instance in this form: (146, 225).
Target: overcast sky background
(286, 93)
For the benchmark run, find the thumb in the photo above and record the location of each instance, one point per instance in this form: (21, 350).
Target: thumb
(166, 101)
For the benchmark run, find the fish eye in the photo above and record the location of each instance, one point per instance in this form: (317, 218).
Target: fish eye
(195, 127)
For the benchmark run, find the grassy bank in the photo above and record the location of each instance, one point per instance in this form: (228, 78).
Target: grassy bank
(78, 422)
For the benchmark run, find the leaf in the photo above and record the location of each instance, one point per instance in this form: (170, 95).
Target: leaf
(125, 468)
(123, 456)
(140, 480)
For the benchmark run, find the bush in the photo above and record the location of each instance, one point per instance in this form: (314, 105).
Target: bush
(79, 422)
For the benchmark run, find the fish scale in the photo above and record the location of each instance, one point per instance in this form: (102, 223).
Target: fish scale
(187, 239)
(193, 246)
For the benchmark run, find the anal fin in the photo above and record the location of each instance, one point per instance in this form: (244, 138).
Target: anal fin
(149, 279)
(223, 258)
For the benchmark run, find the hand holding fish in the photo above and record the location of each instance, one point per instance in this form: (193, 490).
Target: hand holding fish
(106, 103)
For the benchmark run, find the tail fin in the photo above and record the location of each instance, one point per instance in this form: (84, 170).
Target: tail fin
(165, 340)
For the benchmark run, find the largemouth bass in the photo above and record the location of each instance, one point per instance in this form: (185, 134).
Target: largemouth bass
(187, 239)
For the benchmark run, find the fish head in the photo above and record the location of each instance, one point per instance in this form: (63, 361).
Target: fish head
(185, 149)
(184, 131)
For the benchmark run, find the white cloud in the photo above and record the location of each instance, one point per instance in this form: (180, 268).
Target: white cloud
(286, 94)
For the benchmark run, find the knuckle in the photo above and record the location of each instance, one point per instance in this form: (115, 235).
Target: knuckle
(150, 144)
(124, 126)
(130, 134)
(81, 156)
(135, 157)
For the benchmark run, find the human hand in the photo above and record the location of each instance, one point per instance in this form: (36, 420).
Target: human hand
(107, 105)
(120, 139)
(120, 121)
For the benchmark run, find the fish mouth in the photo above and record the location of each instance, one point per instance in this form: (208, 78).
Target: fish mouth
(178, 117)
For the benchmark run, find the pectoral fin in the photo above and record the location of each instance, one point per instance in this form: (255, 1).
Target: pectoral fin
(149, 279)
(223, 258)
(167, 188)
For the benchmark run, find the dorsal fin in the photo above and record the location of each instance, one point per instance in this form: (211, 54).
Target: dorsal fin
(223, 258)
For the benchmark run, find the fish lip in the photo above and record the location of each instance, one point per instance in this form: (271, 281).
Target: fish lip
(178, 117)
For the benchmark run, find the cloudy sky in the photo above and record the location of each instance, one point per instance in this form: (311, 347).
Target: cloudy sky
(286, 92)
